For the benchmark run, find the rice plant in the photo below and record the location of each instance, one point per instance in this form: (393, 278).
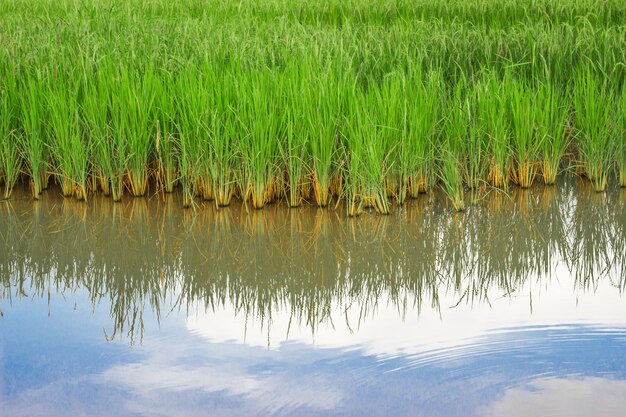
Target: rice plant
(367, 138)
(260, 130)
(10, 160)
(621, 149)
(166, 134)
(596, 124)
(451, 153)
(525, 139)
(32, 139)
(451, 177)
(69, 149)
(552, 118)
(109, 145)
(193, 113)
(475, 142)
(272, 100)
(133, 121)
(321, 120)
(417, 150)
(490, 108)
(223, 153)
(295, 136)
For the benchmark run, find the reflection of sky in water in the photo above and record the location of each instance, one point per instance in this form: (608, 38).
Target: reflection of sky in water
(433, 315)
(60, 365)
(385, 330)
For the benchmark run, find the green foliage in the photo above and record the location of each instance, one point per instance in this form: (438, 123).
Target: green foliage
(369, 101)
(10, 160)
(68, 147)
(525, 138)
(598, 136)
(552, 121)
(32, 140)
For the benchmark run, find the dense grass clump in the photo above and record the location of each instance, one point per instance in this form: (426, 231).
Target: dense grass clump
(367, 102)
(598, 137)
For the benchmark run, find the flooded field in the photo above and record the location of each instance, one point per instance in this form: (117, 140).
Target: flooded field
(512, 308)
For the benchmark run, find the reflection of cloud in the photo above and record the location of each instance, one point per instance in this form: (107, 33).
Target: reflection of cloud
(384, 331)
(582, 397)
(155, 382)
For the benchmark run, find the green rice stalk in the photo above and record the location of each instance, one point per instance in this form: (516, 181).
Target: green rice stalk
(552, 114)
(32, 140)
(321, 120)
(193, 111)
(260, 129)
(450, 174)
(165, 141)
(451, 152)
(109, 155)
(416, 118)
(475, 144)
(595, 121)
(10, 160)
(224, 128)
(621, 149)
(367, 141)
(525, 140)
(69, 148)
(294, 141)
(491, 102)
(133, 120)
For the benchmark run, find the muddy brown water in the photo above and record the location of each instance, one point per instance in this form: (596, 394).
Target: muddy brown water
(142, 308)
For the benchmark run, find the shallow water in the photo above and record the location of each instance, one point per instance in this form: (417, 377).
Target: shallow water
(514, 308)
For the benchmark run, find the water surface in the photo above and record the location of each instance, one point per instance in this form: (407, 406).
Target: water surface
(514, 308)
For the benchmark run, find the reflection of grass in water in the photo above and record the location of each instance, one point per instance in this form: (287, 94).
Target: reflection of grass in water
(619, 239)
(310, 261)
(592, 254)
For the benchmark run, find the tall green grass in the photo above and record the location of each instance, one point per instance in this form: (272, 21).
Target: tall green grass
(109, 156)
(598, 135)
(321, 119)
(32, 138)
(166, 133)
(259, 136)
(491, 104)
(621, 149)
(192, 98)
(422, 117)
(474, 144)
(70, 151)
(134, 122)
(224, 153)
(552, 122)
(452, 158)
(526, 144)
(368, 102)
(10, 160)
(295, 136)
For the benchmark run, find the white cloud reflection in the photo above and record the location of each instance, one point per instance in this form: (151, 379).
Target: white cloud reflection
(385, 331)
(584, 397)
(221, 371)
